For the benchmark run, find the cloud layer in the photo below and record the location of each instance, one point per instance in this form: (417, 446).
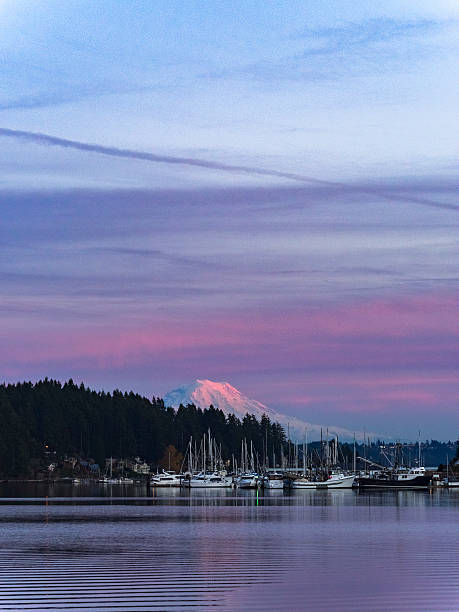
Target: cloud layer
(263, 194)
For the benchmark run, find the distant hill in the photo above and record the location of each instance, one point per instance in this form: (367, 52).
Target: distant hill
(44, 422)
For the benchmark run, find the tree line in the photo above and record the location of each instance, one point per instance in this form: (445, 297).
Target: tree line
(48, 418)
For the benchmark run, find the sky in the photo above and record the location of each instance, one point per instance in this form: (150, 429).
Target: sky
(260, 192)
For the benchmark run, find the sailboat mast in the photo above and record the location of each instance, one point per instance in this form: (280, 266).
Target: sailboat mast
(304, 454)
(306, 440)
(204, 454)
(355, 457)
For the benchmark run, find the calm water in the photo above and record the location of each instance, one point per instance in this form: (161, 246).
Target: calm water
(117, 548)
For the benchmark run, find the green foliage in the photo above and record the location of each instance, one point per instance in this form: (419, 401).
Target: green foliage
(49, 420)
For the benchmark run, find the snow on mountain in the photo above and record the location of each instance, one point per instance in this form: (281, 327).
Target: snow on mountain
(230, 400)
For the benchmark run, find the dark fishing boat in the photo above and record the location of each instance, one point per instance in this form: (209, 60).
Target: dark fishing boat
(414, 478)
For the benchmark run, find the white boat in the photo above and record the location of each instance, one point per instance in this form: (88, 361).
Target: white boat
(204, 480)
(248, 480)
(274, 480)
(110, 479)
(166, 479)
(125, 480)
(303, 483)
(206, 469)
(335, 481)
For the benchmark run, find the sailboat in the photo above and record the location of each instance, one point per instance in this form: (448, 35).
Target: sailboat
(248, 478)
(336, 478)
(205, 468)
(111, 480)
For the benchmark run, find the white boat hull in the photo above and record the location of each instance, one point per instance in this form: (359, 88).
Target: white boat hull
(159, 483)
(206, 484)
(274, 484)
(335, 482)
(248, 484)
(303, 484)
(344, 482)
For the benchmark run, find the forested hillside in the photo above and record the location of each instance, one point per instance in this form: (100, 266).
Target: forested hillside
(67, 419)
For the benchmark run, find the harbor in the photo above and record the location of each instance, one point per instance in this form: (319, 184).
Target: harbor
(300, 466)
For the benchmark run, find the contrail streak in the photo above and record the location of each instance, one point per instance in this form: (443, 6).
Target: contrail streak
(46, 139)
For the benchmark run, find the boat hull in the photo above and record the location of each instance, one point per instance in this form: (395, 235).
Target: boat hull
(303, 484)
(345, 482)
(155, 483)
(203, 484)
(274, 484)
(420, 482)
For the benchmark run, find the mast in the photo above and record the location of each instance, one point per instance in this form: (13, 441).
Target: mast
(266, 457)
(304, 454)
(355, 457)
(321, 450)
(306, 441)
(289, 450)
(211, 458)
(190, 456)
(204, 454)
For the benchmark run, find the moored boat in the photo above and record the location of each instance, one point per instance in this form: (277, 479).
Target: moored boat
(274, 480)
(337, 481)
(414, 478)
(248, 480)
(303, 483)
(205, 480)
(166, 479)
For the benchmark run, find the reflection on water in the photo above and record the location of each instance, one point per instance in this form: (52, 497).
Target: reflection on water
(125, 548)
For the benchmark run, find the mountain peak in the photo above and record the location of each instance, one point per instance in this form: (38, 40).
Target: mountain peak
(222, 395)
(204, 392)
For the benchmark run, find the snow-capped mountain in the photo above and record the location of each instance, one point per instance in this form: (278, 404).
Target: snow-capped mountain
(230, 400)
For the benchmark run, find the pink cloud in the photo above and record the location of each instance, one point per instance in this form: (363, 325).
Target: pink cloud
(412, 329)
(377, 357)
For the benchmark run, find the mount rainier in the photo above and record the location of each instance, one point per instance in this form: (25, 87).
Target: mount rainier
(222, 395)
